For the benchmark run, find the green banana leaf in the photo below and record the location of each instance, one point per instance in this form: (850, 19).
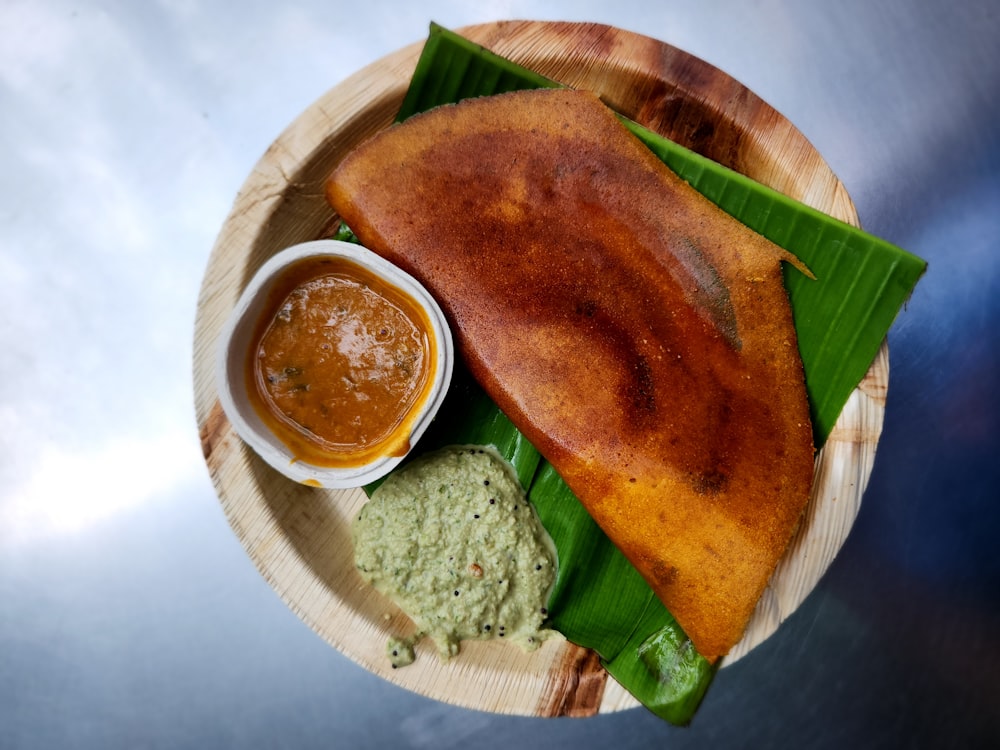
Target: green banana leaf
(599, 601)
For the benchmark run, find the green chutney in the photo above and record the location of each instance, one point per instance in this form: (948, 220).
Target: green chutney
(453, 541)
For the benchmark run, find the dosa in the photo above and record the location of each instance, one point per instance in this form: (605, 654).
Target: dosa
(638, 336)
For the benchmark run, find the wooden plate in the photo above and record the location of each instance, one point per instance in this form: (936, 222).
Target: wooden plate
(299, 537)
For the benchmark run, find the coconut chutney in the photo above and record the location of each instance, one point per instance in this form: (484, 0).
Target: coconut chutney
(453, 541)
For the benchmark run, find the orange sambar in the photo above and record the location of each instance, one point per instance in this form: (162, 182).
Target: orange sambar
(340, 364)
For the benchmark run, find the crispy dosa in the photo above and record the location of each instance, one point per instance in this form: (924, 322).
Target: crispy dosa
(640, 337)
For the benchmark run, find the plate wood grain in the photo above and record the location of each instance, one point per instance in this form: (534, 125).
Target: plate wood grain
(299, 537)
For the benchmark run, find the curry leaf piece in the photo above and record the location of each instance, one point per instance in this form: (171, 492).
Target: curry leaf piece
(343, 233)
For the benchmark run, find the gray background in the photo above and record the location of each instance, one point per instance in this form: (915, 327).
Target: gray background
(130, 616)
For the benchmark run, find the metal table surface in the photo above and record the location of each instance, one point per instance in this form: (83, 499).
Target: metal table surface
(129, 614)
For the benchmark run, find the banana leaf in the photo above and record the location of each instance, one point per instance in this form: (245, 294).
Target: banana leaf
(599, 601)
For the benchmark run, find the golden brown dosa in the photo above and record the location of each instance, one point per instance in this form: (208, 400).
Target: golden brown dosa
(641, 338)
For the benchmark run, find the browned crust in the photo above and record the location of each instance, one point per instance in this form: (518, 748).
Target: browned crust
(639, 337)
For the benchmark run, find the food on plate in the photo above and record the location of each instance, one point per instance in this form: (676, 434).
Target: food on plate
(340, 363)
(452, 539)
(640, 337)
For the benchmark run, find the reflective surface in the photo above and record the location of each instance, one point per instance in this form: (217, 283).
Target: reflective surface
(130, 615)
